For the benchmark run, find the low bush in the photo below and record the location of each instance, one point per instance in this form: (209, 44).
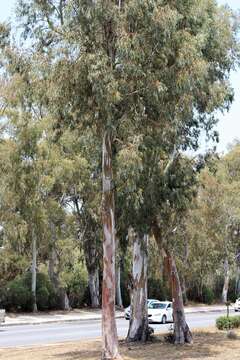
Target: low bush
(17, 296)
(226, 323)
(77, 282)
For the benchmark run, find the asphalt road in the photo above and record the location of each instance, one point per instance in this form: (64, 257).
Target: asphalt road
(26, 335)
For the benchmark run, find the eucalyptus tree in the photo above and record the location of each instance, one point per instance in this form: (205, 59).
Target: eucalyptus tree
(139, 67)
(196, 87)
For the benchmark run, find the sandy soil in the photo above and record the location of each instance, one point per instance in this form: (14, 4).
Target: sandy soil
(208, 345)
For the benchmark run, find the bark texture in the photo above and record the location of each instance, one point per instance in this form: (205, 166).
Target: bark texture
(226, 281)
(88, 238)
(182, 333)
(93, 283)
(109, 328)
(138, 324)
(118, 285)
(34, 271)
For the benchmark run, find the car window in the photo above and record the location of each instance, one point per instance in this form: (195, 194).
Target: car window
(157, 306)
(169, 306)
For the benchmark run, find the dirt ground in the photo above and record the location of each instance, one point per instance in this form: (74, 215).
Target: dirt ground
(208, 345)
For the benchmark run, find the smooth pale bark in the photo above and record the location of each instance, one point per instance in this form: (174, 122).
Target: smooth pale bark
(64, 300)
(93, 283)
(34, 271)
(138, 324)
(118, 285)
(109, 328)
(226, 281)
(182, 333)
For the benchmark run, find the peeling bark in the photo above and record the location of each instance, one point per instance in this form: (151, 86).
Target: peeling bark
(182, 333)
(34, 271)
(226, 281)
(93, 283)
(138, 324)
(109, 328)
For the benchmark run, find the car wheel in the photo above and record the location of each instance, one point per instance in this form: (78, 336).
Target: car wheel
(164, 319)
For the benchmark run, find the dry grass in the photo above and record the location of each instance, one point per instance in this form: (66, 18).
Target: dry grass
(208, 345)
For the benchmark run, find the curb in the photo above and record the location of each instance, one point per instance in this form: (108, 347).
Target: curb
(62, 321)
(57, 321)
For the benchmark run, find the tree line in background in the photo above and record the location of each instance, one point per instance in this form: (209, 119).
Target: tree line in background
(99, 102)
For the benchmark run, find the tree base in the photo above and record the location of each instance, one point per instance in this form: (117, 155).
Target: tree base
(183, 336)
(108, 357)
(141, 335)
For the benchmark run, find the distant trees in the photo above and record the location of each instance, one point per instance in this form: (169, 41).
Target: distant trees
(96, 118)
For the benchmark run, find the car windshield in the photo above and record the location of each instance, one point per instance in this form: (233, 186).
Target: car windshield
(157, 305)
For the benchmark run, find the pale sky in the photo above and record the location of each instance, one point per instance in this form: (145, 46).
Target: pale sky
(229, 123)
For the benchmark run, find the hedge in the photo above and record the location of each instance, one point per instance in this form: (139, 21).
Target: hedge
(226, 323)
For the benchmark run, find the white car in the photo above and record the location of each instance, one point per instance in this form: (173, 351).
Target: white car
(127, 311)
(158, 311)
(237, 305)
(161, 312)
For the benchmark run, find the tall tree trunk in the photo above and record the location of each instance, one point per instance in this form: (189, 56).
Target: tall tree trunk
(93, 283)
(34, 271)
(182, 333)
(54, 273)
(64, 300)
(87, 238)
(109, 327)
(138, 324)
(52, 263)
(184, 291)
(237, 286)
(183, 281)
(226, 281)
(118, 285)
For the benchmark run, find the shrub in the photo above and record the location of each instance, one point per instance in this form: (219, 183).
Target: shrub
(77, 282)
(17, 296)
(46, 297)
(226, 323)
(43, 298)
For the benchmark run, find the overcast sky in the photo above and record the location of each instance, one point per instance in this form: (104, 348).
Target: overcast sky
(229, 123)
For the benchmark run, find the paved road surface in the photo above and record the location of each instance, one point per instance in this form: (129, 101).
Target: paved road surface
(25, 335)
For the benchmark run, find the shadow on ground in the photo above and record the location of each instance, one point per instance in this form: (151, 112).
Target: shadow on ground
(207, 345)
